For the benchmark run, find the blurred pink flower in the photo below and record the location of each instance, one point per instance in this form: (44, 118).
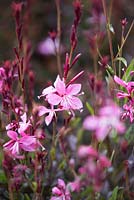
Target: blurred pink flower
(61, 191)
(49, 47)
(92, 170)
(62, 95)
(85, 151)
(109, 117)
(20, 142)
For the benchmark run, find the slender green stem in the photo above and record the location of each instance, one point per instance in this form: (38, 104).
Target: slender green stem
(125, 39)
(109, 34)
(58, 49)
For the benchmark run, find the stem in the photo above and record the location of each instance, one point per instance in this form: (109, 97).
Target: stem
(65, 155)
(57, 2)
(95, 65)
(122, 38)
(110, 9)
(10, 190)
(70, 55)
(109, 34)
(125, 39)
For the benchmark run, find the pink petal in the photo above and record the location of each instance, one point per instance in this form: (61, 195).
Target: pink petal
(53, 99)
(61, 184)
(12, 134)
(56, 191)
(15, 148)
(71, 102)
(73, 89)
(120, 81)
(24, 117)
(122, 95)
(23, 126)
(101, 133)
(47, 90)
(85, 151)
(60, 86)
(42, 110)
(104, 161)
(91, 123)
(8, 145)
(49, 118)
(28, 143)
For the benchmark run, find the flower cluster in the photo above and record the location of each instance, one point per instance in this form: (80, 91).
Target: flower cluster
(62, 95)
(20, 139)
(128, 94)
(61, 191)
(109, 118)
(92, 170)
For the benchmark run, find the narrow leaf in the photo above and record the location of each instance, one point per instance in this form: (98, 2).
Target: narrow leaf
(126, 77)
(114, 193)
(90, 108)
(123, 60)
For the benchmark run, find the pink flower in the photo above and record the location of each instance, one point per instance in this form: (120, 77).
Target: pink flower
(62, 95)
(109, 117)
(85, 151)
(20, 142)
(92, 169)
(129, 106)
(49, 47)
(51, 112)
(128, 86)
(128, 111)
(61, 191)
(23, 125)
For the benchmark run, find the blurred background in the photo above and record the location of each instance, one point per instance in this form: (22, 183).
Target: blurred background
(42, 19)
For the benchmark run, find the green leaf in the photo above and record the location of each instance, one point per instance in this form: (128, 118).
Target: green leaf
(34, 186)
(109, 70)
(123, 60)
(129, 136)
(126, 77)
(52, 153)
(27, 197)
(90, 108)
(114, 193)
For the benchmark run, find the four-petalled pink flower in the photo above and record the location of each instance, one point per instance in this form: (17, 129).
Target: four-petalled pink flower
(20, 142)
(65, 96)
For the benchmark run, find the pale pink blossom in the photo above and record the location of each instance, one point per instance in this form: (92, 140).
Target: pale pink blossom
(85, 151)
(61, 191)
(20, 142)
(109, 118)
(49, 47)
(92, 169)
(23, 125)
(64, 96)
(51, 112)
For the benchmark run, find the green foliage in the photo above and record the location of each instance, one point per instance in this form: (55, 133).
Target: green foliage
(90, 108)
(114, 193)
(129, 136)
(123, 60)
(126, 77)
